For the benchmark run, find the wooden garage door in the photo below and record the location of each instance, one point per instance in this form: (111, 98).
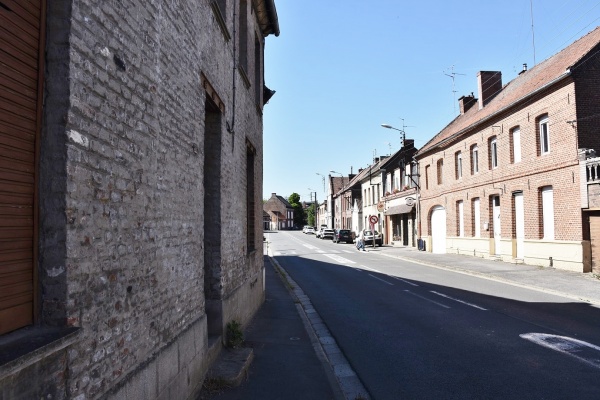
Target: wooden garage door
(20, 31)
(595, 242)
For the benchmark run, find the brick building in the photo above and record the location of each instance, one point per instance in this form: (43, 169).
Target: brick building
(503, 179)
(280, 211)
(130, 184)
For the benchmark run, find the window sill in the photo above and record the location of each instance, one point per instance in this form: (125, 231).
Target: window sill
(25, 347)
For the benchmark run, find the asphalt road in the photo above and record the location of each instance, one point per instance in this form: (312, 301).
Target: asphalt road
(415, 332)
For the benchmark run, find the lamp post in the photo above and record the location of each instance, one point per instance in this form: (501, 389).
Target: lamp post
(416, 166)
(402, 133)
(327, 202)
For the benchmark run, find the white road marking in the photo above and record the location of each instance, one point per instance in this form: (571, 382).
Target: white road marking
(285, 253)
(368, 269)
(460, 301)
(425, 298)
(410, 283)
(339, 259)
(583, 351)
(379, 279)
(309, 246)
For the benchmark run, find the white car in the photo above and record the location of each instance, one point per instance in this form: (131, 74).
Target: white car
(309, 230)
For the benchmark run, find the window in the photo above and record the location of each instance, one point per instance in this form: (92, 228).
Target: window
(474, 159)
(515, 138)
(493, 152)
(458, 163)
(476, 218)
(461, 219)
(547, 196)
(544, 135)
(440, 166)
(427, 177)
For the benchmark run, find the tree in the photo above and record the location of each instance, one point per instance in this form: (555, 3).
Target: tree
(294, 200)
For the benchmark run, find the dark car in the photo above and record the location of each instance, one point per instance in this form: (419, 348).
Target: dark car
(343, 235)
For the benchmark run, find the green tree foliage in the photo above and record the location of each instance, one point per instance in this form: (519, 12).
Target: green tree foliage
(310, 215)
(299, 217)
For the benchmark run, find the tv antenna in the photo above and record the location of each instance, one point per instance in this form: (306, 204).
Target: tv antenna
(452, 75)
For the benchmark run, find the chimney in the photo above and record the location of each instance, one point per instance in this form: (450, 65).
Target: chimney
(466, 102)
(524, 68)
(490, 83)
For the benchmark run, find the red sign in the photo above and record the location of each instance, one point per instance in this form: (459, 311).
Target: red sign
(373, 219)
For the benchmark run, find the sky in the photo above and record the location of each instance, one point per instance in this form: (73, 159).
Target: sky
(341, 68)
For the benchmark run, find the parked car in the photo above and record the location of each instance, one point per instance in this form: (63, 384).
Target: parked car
(327, 234)
(368, 238)
(319, 233)
(343, 235)
(309, 230)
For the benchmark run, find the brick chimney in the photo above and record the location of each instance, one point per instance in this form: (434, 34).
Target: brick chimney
(466, 102)
(489, 83)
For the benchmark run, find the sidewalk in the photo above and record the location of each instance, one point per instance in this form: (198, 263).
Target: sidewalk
(573, 285)
(286, 364)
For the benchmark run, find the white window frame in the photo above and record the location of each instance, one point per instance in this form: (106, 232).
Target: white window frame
(544, 131)
(494, 152)
(516, 139)
(458, 165)
(477, 217)
(475, 159)
(461, 219)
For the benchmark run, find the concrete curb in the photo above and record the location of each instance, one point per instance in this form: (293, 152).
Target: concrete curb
(345, 382)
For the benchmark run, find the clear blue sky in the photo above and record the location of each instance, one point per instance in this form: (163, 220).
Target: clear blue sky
(342, 68)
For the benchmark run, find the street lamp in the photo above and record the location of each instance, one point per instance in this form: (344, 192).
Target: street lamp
(402, 133)
(323, 178)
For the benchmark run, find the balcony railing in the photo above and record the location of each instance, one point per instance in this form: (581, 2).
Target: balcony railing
(592, 167)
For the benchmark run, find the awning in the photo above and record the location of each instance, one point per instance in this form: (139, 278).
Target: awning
(401, 209)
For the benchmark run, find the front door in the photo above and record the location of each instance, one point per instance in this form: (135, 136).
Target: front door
(496, 218)
(519, 225)
(438, 230)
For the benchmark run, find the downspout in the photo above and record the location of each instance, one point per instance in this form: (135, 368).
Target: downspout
(231, 127)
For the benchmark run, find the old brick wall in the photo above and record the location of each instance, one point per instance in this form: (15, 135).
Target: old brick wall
(122, 200)
(587, 91)
(558, 169)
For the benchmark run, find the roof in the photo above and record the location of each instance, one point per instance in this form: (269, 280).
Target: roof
(267, 16)
(338, 183)
(541, 76)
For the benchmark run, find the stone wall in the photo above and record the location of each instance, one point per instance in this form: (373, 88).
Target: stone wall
(123, 169)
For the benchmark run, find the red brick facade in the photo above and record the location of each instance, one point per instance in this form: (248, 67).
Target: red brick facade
(543, 106)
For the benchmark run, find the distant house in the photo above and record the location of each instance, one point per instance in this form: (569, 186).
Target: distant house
(399, 197)
(280, 211)
(266, 221)
(505, 180)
